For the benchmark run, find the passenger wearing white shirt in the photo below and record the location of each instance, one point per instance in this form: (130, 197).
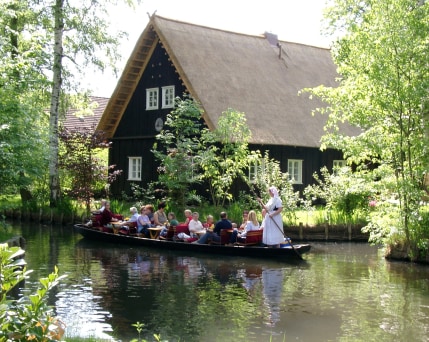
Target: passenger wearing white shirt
(195, 225)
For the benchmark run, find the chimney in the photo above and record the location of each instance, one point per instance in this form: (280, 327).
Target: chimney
(274, 41)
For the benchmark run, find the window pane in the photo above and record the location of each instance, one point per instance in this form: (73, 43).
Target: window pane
(295, 171)
(168, 97)
(152, 98)
(134, 168)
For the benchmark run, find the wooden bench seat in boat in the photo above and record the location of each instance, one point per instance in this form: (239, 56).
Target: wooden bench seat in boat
(253, 237)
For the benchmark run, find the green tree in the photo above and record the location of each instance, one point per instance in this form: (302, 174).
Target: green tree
(226, 155)
(23, 99)
(80, 162)
(78, 31)
(47, 43)
(178, 147)
(383, 58)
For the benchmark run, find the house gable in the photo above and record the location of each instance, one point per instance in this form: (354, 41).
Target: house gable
(137, 121)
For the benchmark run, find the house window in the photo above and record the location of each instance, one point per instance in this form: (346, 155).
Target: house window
(256, 169)
(336, 165)
(151, 98)
(135, 168)
(339, 163)
(168, 97)
(295, 171)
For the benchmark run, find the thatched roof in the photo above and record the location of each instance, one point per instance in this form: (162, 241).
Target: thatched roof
(75, 120)
(224, 70)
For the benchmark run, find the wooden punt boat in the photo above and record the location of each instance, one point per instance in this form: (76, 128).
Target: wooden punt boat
(283, 253)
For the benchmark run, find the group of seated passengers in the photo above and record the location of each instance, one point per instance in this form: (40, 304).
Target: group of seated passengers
(249, 223)
(202, 231)
(159, 219)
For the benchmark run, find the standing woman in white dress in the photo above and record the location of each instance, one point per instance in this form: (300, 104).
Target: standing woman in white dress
(273, 234)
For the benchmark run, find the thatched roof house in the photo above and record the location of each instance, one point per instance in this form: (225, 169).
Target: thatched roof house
(257, 75)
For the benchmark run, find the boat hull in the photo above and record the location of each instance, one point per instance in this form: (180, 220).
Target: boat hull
(252, 251)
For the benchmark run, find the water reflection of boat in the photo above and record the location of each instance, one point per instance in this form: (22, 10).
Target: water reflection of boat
(287, 253)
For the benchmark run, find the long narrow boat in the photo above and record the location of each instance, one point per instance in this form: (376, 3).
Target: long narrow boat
(284, 253)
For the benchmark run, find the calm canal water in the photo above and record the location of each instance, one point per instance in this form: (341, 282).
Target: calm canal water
(342, 292)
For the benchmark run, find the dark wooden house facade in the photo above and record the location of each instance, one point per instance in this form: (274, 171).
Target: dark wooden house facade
(257, 75)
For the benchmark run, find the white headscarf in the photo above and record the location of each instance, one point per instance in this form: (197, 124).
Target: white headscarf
(274, 191)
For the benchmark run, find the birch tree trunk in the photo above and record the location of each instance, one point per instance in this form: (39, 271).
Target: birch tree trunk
(54, 179)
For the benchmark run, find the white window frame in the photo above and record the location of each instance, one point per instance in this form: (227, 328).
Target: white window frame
(135, 168)
(338, 163)
(167, 97)
(152, 96)
(294, 169)
(255, 168)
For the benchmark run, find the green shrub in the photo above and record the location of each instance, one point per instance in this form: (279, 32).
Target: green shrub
(29, 318)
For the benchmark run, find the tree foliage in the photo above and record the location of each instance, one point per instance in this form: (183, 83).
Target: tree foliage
(23, 99)
(178, 147)
(80, 162)
(190, 153)
(226, 155)
(383, 59)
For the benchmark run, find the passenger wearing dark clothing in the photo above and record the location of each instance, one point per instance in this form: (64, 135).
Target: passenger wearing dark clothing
(107, 216)
(214, 235)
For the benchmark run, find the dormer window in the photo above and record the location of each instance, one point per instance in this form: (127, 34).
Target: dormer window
(152, 98)
(168, 97)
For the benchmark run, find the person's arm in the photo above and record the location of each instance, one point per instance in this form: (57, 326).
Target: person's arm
(276, 212)
(199, 226)
(216, 229)
(279, 206)
(191, 227)
(155, 219)
(141, 220)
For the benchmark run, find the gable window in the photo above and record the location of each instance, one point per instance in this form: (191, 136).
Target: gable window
(135, 168)
(151, 98)
(295, 171)
(168, 97)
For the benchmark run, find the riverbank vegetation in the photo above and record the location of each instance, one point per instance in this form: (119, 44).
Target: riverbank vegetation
(29, 317)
